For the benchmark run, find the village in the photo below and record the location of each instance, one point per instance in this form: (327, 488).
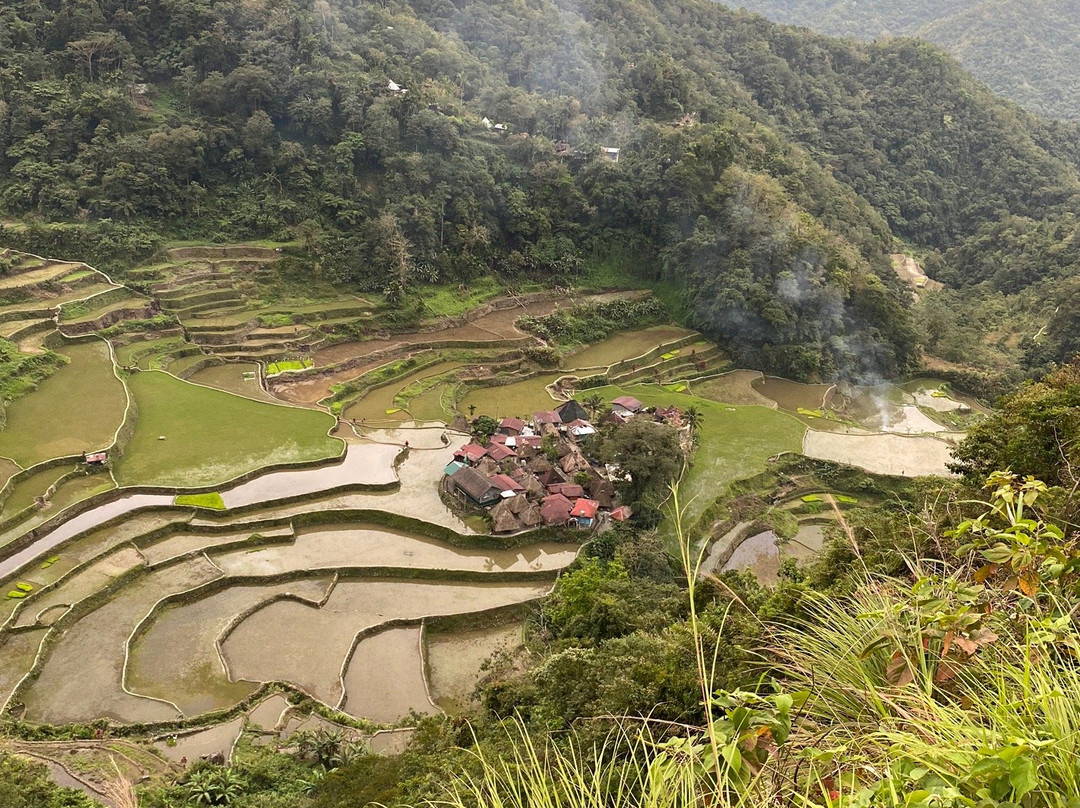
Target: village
(539, 472)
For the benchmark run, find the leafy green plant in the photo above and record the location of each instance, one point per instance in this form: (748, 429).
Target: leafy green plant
(214, 785)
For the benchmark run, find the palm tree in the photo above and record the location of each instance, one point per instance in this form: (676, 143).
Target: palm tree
(593, 402)
(693, 417)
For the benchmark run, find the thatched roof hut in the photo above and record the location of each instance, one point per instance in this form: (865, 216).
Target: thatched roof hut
(503, 519)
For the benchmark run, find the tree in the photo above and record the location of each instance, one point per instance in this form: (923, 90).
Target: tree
(593, 402)
(693, 417)
(1034, 431)
(647, 451)
(25, 784)
(484, 427)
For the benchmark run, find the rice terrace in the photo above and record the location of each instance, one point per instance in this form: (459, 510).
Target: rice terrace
(228, 501)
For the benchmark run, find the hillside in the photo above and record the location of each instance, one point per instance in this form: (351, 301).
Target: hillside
(1026, 50)
(763, 172)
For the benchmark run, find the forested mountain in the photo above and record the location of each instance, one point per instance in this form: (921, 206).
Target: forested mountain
(763, 170)
(1026, 50)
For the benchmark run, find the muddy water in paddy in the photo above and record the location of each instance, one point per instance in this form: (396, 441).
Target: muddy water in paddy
(881, 454)
(266, 714)
(366, 463)
(81, 585)
(82, 676)
(17, 652)
(735, 387)
(176, 658)
(806, 543)
(385, 678)
(178, 544)
(77, 524)
(922, 390)
(95, 543)
(217, 740)
(454, 660)
(369, 546)
(419, 434)
(369, 464)
(307, 646)
(758, 554)
(25, 490)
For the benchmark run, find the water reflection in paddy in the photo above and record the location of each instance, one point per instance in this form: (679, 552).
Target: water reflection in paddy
(364, 463)
(360, 546)
(759, 554)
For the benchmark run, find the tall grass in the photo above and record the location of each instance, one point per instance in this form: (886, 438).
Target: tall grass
(878, 707)
(635, 766)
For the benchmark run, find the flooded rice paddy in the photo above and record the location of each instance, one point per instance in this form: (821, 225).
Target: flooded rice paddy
(759, 554)
(624, 346)
(83, 676)
(176, 658)
(379, 405)
(898, 455)
(359, 546)
(190, 746)
(793, 396)
(385, 678)
(518, 398)
(207, 607)
(455, 660)
(308, 645)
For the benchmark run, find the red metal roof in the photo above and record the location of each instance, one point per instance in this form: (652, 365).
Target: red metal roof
(585, 508)
(504, 482)
(628, 402)
(473, 451)
(546, 417)
(621, 514)
(570, 490)
(515, 424)
(499, 452)
(555, 509)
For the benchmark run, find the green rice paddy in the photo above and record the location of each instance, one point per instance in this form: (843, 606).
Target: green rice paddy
(187, 436)
(78, 408)
(288, 364)
(734, 441)
(212, 500)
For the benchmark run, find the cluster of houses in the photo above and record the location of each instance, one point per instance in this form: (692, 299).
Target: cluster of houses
(524, 484)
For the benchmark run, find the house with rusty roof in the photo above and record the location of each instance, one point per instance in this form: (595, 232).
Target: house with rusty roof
(555, 510)
(626, 405)
(470, 453)
(474, 487)
(500, 452)
(546, 417)
(511, 426)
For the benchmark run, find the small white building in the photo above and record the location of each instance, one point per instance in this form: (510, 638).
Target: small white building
(610, 153)
(395, 88)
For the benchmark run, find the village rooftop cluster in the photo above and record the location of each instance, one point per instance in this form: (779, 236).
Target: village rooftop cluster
(535, 473)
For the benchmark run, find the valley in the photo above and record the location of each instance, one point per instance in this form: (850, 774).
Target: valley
(238, 516)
